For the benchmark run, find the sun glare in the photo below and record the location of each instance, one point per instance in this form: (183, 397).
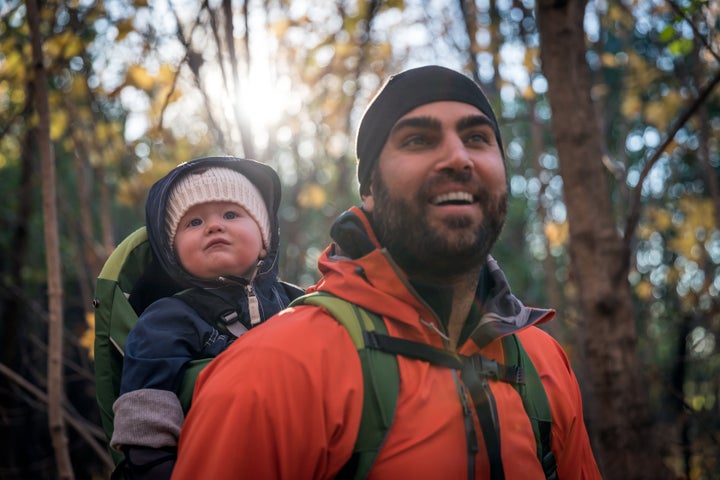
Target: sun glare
(260, 100)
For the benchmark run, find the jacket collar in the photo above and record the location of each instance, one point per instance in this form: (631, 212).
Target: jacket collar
(495, 313)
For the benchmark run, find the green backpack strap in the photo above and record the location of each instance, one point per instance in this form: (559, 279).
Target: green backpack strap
(382, 381)
(114, 317)
(380, 376)
(535, 402)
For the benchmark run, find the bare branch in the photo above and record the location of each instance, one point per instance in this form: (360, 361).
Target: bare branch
(85, 429)
(635, 201)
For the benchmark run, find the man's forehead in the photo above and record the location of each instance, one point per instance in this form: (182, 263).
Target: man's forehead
(436, 113)
(444, 109)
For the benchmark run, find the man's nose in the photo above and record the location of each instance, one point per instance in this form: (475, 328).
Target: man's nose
(455, 155)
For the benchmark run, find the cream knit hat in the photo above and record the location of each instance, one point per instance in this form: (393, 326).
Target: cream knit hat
(216, 184)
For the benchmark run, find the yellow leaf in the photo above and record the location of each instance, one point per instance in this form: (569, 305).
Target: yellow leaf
(698, 216)
(528, 93)
(345, 49)
(74, 47)
(698, 212)
(87, 339)
(312, 196)
(644, 231)
(608, 60)
(644, 290)
(138, 77)
(13, 64)
(556, 233)
(662, 219)
(630, 106)
(658, 114)
(531, 58)
(166, 74)
(124, 28)
(58, 124)
(280, 27)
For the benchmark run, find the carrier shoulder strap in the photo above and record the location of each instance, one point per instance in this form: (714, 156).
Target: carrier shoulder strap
(215, 310)
(378, 352)
(380, 376)
(220, 314)
(535, 402)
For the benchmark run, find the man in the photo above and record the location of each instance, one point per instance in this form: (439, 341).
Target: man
(286, 401)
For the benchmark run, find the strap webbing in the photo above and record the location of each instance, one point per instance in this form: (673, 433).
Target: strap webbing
(475, 371)
(485, 407)
(381, 380)
(416, 350)
(215, 310)
(370, 335)
(535, 402)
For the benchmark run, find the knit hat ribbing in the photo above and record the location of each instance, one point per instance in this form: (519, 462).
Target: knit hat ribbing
(216, 184)
(404, 92)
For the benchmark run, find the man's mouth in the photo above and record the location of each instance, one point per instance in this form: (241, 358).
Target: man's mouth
(453, 198)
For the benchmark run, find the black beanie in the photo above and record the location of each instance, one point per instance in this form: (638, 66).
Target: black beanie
(404, 92)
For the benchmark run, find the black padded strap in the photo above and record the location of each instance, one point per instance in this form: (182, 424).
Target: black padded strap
(215, 310)
(416, 350)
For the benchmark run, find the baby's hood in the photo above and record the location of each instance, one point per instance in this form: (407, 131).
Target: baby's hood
(261, 175)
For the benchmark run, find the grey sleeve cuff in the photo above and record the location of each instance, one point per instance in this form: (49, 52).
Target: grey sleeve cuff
(147, 417)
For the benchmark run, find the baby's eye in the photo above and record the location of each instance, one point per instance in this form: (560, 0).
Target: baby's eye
(229, 215)
(193, 222)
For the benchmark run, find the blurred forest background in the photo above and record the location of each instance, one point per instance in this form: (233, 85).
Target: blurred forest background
(611, 122)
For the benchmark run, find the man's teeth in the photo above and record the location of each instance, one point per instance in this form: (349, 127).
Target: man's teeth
(454, 197)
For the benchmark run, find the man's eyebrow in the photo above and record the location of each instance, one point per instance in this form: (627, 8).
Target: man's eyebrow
(416, 122)
(474, 121)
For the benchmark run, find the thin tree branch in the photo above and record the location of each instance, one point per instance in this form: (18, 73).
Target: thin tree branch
(635, 200)
(85, 429)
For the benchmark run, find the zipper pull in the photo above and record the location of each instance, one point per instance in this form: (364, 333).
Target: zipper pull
(253, 306)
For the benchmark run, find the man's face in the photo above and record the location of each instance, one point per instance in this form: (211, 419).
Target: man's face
(439, 191)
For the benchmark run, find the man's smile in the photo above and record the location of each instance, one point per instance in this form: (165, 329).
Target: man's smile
(453, 198)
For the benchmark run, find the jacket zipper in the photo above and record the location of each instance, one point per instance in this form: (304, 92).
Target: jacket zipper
(253, 305)
(470, 435)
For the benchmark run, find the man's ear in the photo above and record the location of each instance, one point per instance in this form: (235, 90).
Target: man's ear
(368, 201)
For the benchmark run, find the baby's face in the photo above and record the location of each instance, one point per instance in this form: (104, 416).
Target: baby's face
(218, 238)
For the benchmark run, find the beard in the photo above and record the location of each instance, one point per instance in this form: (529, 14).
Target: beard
(426, 251)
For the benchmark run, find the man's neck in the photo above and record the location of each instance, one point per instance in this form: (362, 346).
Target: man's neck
(464, 290)
(456, 311)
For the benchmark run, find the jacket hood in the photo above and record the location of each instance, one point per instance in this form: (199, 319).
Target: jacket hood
(357, 268)
(261, 175)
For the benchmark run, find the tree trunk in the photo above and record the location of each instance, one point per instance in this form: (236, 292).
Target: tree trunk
(56, 421)
(618, 401)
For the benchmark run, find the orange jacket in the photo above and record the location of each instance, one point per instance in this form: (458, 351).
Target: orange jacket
(284, 401)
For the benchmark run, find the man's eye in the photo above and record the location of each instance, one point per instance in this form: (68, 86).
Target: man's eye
(415, 141)
(478, 138)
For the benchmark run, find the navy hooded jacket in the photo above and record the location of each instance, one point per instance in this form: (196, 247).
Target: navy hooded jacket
(170, 333)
